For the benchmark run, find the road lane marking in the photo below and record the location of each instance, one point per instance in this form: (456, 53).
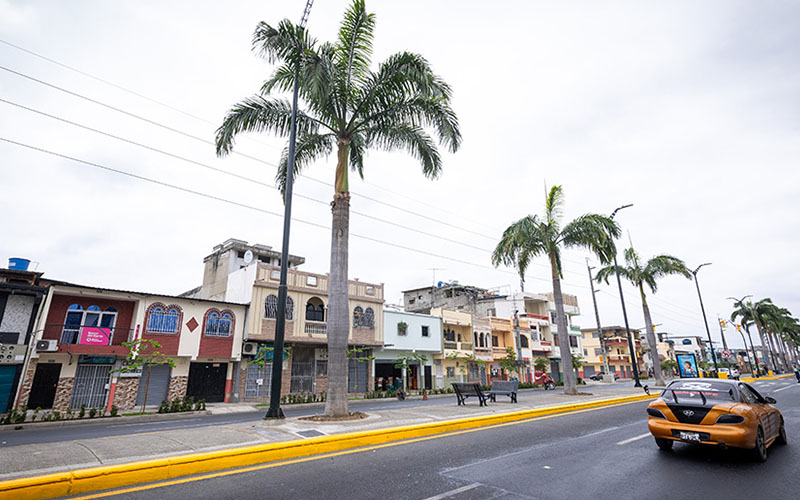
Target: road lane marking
(453, 492)
(786, 387)
(270, 465)
(152, 422)
(630, 440)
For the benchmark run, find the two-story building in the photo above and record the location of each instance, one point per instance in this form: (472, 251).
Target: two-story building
(406, 334)
(616, 341)
(457, 362)
(21, 296)
(79, 353)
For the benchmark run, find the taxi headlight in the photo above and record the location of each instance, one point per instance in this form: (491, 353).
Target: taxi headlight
(655, 413)
(730, 419)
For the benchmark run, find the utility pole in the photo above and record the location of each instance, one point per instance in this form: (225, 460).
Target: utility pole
(631, 343)
(516, 337)
(275, 411)
(722, 333)
(705, 321)
(603, 346)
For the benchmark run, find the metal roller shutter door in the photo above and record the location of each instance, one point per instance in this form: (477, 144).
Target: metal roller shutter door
(159, 385)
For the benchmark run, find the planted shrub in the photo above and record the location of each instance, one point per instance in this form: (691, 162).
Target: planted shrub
(82, 412)
(114, 411)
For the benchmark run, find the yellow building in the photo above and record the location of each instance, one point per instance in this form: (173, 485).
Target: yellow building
(616, 342)
(457, 362)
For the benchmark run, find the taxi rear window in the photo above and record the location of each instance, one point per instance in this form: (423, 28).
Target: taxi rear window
(690, 390)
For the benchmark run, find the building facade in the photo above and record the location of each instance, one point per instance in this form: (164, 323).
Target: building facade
(406, 334)
(616, 341)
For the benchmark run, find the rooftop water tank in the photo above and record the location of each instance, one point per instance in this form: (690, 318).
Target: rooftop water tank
(18, 263)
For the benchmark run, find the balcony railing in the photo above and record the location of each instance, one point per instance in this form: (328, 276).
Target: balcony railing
(314, 328)
(450, 345)
(88, 334)
(465, 346)
(499, 351)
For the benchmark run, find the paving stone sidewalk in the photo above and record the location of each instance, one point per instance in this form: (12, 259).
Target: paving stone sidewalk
(37, 459)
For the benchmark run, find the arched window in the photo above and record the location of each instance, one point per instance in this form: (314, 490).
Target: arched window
(369, 318)
(271, 307)
(163, 319)
(523, 341)
(315, 310)
(358, 316)
(218, 323)
(475, 339)
(449, 335)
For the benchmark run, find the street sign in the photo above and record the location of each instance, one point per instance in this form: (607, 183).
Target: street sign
(726, 353)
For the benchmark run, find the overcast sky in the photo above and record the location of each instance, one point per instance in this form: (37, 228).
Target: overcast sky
(688, 110)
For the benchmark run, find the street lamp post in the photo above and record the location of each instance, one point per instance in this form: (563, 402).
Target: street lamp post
(749, 361)
(752, 347)
(600, 336)
(275, 411)
(705, 321)
(631, 343)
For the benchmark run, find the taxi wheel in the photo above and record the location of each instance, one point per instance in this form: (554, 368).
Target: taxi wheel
(664, 444)
(782, 435)
(760, 449)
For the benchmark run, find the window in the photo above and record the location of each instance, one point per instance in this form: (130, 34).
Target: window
(425, 331)
(311, 280)
(411, 301)
(163, 319)
(369, 318)
(93, 316)
(492, 312)
(449, 335)
(322, 368)
(596, 335)
(358, 316)
(573, 342)
(451, 371)
(474, 372)
(218, 323)
(275, 275)
(523, 341)
(495, 341)
(271, 307)
(315, 310)
(598, 351)
(585, 352)
(370, 290)
(475, 339)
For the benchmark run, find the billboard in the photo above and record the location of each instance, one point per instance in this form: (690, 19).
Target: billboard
(93, 335)
(687, 365)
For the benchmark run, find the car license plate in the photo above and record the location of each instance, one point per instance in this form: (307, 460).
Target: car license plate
(693, 437)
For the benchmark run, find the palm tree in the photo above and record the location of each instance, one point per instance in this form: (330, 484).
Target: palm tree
(756, 313)
(349, 108)
(779, 324)
(640, 275)
(532, 236)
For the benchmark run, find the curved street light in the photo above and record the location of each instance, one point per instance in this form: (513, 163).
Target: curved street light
(631, 344)
(705, 321)
(752, 347)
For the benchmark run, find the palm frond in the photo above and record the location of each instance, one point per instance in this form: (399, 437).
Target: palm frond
(353, 51)
(411, 138)
(664, 265)
(520, 243)
(554, 204)
(357, 152)
(595, 232)
(308, 148)
(285, 43)
(605, 274)
(260, 114)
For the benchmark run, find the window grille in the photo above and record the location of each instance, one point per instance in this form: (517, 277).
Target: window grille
(163, 321)
(271, 307)
(358, 316)
(218, 324)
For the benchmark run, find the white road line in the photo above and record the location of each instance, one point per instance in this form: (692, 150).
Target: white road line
(151, 422)
(626, 441)
(454, 492)
(785, 387)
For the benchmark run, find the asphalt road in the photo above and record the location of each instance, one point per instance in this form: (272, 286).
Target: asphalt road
(110, 427)
(597, 454)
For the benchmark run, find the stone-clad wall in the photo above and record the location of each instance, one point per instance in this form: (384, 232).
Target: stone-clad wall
(27, 382)
(63, 393)
(126, 392)
(177, 387)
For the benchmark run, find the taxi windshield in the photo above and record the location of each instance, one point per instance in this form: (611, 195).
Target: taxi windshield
(686, 391)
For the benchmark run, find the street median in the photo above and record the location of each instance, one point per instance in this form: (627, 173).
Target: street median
(160, 469)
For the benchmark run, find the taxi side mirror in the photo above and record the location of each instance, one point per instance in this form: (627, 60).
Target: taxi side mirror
(770, 400)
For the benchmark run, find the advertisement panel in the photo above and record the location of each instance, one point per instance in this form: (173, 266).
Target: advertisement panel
(93, 335)
(687, 365)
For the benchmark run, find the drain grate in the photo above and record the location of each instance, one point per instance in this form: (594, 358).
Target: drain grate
(310, 433)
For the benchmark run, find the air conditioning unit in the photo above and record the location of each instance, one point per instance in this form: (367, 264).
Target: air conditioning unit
(250, 348)
(46, 345)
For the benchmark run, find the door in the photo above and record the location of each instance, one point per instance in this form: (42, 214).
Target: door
(45, 383)
(91, 386)
(302, 379)
(428, 378)
(207, 381)
(158, 389)
(257, 381)
(357, 376)
(7, 376)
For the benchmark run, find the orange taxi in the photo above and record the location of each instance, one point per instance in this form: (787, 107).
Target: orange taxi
(719, 412)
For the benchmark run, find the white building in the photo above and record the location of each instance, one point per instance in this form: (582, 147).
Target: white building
(405, 333)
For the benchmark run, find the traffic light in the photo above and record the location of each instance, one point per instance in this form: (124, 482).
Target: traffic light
(722, 324)
(739, 328)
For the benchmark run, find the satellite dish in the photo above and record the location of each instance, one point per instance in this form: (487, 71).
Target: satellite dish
(248, 257)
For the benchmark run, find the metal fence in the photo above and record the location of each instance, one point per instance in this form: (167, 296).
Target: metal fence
(90, 389)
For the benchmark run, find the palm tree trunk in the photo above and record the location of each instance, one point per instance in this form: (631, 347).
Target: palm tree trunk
(765, 343)
(651, 339)
(338, 322)
(563, 333)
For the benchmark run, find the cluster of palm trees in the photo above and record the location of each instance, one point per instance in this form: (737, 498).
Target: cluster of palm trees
(778, 329)
(533, 236)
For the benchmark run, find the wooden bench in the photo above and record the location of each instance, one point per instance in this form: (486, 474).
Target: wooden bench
(504, 388)
(464, 391)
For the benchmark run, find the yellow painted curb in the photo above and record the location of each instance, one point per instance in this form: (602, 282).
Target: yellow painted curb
(773, 377)
(114, 476)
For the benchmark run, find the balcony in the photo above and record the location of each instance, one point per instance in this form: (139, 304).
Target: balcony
(541, 346)
(450, 345)
(574, 328)
(484, 353)
(465, 346)
(499, 352)
(316, 328)
(88, 339)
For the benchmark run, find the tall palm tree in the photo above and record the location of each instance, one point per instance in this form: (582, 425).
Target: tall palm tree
(646, 274)
(779, 324)
(749, 314)
(533, 236)
(348, 108)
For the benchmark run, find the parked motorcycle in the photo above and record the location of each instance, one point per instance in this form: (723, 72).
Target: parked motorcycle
(545, 381)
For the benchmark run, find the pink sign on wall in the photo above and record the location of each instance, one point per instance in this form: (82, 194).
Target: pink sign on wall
(93, 335)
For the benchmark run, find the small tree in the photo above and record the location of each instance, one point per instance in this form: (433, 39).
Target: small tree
(404, 362)
(669, 366)
(577, 364)
(540, 364)
(143, 353)
(509, 362)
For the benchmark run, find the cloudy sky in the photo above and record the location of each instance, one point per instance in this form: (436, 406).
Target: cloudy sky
(688, 110)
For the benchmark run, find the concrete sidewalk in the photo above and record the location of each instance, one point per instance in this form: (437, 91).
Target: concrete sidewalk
(38, 459)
